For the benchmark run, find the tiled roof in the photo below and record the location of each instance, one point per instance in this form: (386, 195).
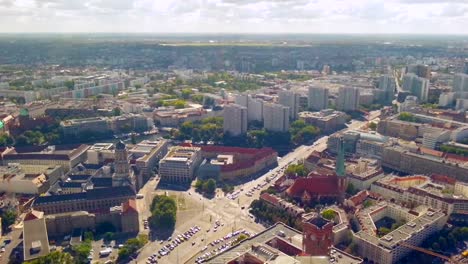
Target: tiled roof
(269, 198)
(443, 179)
(315, 185)
(129, 206)
(102, 181)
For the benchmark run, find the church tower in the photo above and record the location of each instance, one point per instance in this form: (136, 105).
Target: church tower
(341, 169)
(121, 176)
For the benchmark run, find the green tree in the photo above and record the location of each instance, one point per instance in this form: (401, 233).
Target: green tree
(179, 104)
(81, 251)
(329, 214)
(383, 231)
(185, 93)
(209, 186)
(55, 257)
(6, 140)
(163, 212)
(116, 111)
(108, 236)
(405, 116)
(8, 218)
(373, 126)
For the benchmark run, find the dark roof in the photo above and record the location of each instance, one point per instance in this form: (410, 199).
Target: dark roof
(120, 145)
(94, 194)
(70, 184)
(79, 177)
(102, 181)
(318, 222)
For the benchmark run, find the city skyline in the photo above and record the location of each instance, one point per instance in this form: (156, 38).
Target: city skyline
(235, 16)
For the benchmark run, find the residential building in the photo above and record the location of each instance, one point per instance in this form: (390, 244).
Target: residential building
(254, 106)
(418, 86)
(328, 120)
(317, 98)
(460, 82)
(420, 70)
(279, 203)
(179, 164)
(235, 119)
(389, 249)
(363, 173)
(292, 100)
(348, 99)
(275, 117)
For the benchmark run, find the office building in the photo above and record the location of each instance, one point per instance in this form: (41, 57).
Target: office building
(179, 164)
(147, 155)
(460, 83)
(28, 179)
(328, 120)
(235, 120)
(317, 98)
(35, 238)
(348, 99)
(292, 100)
(275, 117)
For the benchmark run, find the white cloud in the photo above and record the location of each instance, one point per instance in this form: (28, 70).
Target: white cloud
(256, 16)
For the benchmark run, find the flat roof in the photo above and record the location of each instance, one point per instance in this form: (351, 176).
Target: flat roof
(35, 235)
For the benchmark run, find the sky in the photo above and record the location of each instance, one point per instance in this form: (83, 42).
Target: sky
(236, 16)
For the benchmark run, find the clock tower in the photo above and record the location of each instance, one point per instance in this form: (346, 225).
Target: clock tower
(317, 235)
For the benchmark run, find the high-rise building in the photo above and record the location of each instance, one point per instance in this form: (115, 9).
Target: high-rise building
(460, 82)
(348, 99)
(235, 119)
(418, 86)
(292, 100)
(179, 164)
(318, 98)
(387, 88)
(275, 117)
(254, 106)
(420, 70)
(465, 70)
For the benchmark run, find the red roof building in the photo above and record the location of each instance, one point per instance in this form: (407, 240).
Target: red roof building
(317, 187)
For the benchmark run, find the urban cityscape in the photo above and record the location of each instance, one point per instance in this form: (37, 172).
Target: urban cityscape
(270, 147)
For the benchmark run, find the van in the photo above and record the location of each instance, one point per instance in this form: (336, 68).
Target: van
(104, 253)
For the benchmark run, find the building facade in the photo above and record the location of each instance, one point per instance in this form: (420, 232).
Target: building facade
(275, 117)
(235, 119)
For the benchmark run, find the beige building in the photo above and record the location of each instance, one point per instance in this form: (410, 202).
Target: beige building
(235, 119)
(35, 237)
(419, 224)
(275, 117)
(28, 179)
(147, 155)
(179, 164)
(65, 156)
(363, 173)
(124, 218)
(100, 152)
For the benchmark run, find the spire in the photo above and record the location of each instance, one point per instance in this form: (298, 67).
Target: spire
(340, 160)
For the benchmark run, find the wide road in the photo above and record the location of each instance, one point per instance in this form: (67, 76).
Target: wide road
(232, 213)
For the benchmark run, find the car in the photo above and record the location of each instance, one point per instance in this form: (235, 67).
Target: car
(169, 239)
(193, 243)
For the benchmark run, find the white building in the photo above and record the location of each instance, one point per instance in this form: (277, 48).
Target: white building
(348, 99)
(235, 119)
(460, 82)
(254, 106)
(292, 100)
(317, 98)
(179, 164)
(417, 86)
(275, 117)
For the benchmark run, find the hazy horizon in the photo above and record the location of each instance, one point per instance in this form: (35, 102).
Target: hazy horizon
(422, 17)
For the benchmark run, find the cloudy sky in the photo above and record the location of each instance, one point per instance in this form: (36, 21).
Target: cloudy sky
(237, 16)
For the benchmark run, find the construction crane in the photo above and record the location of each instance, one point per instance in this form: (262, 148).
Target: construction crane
(428, 252)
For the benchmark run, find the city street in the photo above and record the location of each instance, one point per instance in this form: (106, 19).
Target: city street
(196, 210)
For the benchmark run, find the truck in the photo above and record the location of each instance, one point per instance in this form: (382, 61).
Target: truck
(105, 252)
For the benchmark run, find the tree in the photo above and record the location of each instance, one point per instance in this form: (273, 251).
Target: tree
(209, 186)
(383, 231)
(163, 212)
(297, 169)
(179, 104)
(405, 116)
(6, 140)
(8, 218)
(56, 257)
(186, 93)
(131, 246)
(116, 111)
(373, 126)
(351, 190)
(108, 236)
(329, 214)
(81, 251)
